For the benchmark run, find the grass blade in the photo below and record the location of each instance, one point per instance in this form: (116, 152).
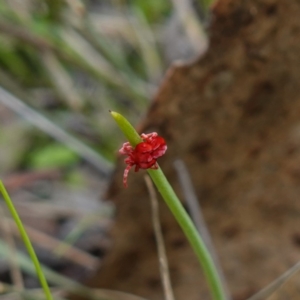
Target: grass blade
(35, 118)
(276, 284)
(26, 241)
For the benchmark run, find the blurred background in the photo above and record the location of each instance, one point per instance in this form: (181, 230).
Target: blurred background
(63, 65)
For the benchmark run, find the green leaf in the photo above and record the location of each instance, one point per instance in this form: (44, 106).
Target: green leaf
(54, 155)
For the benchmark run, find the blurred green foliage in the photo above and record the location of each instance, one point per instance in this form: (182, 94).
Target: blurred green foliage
(53, 155)
(154, 10)
(82, 58)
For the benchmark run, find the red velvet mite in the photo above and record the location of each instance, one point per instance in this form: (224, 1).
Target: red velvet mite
(144, 155)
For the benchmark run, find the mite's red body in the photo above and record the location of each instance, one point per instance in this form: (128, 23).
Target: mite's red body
(144, 155)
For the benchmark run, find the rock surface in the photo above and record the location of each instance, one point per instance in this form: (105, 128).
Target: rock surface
(234, 118)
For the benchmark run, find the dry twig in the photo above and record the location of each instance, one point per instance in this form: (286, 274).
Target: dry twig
(163, 261)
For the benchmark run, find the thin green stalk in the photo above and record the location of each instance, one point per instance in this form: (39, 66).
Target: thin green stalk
(26, 241)
(179, 213)
(189, 230)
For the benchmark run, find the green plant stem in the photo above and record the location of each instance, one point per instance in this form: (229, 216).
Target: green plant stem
(179, 213)
(190, 231)
(26, 241)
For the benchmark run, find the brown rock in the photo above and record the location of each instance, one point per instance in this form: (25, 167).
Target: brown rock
(234, 118)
